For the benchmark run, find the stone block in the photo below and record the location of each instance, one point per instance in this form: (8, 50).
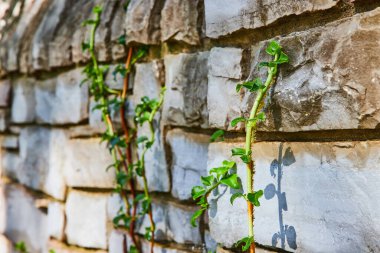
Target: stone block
(143, 21)
(226, 17)
(23, 101)
(86, 164)
(307, 187)
(180, 21)
(186, 171)
(56, 220)
(186, 96)
(39, 164)
(4, 120)
(25, 222)
(86, 215)
(226, 62)
(10, 142)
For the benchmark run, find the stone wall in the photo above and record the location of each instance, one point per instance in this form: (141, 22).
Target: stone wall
(318, 155)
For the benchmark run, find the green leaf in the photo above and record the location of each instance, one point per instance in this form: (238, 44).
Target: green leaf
(133, 249)
(85, 46)
(231, 181)
(254, 197)
(246, 158)
(148, 233)
(235, 196)
(238, 151)
(197, 191)
(139, 197)
(220, 171)
(267, 64)
(252, 86)
(97, 9)
(282, 59)
(207, 180)
(121, 40)
(238, 87)
(217, 135)
(229, 164)
(89, 22)
(195, 216)
(260, 116)
(245, 242)
(142, 139)
(235, 121)
(273, 48)
(51, 251)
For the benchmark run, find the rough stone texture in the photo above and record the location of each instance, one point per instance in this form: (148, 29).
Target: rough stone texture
(186, 171)
(5, 88)
(319, 183)
(23, 100)
(62, 100)
(224, 17)
(10, 142)
(179, 21)
(226, 62)
(56, 220)
(117, 30)
(24, 222)
(143, 21)
(86, 163)
(86, 215)
(186, 95)
(60, 247)
(172, 223)
(39, 164)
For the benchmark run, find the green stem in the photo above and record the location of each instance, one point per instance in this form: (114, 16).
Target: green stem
(250, 138)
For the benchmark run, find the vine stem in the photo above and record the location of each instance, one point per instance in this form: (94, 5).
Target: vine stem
(249, 140)
(106, 115)
(145, 181)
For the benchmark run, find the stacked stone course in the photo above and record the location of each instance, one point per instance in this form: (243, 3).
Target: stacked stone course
(321, 195)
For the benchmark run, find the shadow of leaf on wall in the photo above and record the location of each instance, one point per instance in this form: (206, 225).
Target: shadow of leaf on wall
(286, 233)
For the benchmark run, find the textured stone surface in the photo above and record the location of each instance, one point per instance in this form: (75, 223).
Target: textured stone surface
(226, 62)
(23, 100)
(24, 222)
(324, 87)
(4, 120)
(86, 215)
(316, 189)
(10, 141)
(186, 96)
(172, 223)
(179, 21)
(86, 163)
(186, 171)
(5, 244)
(60, 247)
(56, 220)
(224, 17)
(39, 164)
(143, 21)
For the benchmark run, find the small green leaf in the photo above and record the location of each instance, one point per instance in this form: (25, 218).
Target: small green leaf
(282, 59)
(238, 151)
(260, 116)
(245, 242)
(254, 197)
(142, 139)
(121, 40)
(267, 64)
(238, 87)
(220, 171)
(197, 191)
(235, 196)
(246, 158)
(139, 197)
(97, 9)
(217, 135)
(85, 46)
(229, 164)
(235, 121)
(273, 48)
(207, 180)
(253, 85)
(231, 181)
(133, 249)
(195, 216)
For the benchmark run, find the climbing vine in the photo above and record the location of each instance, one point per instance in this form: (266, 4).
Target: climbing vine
(121, 142)
(226, 174)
